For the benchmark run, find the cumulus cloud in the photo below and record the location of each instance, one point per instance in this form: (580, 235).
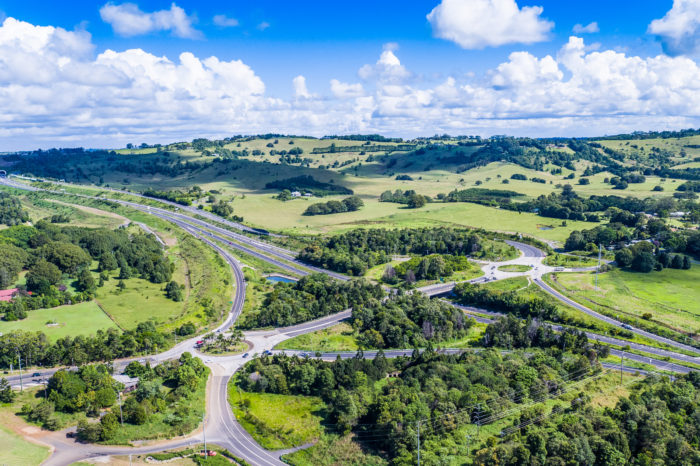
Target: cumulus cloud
(224, 21)
(388, 67)
(343, 90)
(56, 90)
(128, 20)
(679, 29)
(590, 28)
(263, 25)
(300, 90)
(475, 24)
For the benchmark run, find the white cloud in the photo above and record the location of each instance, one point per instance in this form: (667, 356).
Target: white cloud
(128, 20)
(475, 24)
(56, 91)
(590, 28)
(300, 90)
(264, 25)
(224, 21)
(679, 29)
(388, 67)
(343, 90)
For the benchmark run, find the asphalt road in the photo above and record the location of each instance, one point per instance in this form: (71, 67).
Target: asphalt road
(548, 289)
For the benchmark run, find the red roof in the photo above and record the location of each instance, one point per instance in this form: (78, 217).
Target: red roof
(6, 295)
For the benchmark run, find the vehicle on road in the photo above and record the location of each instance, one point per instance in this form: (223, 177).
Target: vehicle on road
(245, 355)
(36, 374)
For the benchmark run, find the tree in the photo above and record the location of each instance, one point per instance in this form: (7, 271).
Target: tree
(7, 395)
(575, 241)
(67, 256)
(85, 281)
(389, 275)
(110, 425)
(42, 276)
(108, 262)
(410, 277)
(173, 291)
(624, 257)
(644, 262)
(416, 201)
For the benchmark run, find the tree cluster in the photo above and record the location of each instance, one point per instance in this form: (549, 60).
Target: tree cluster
(357, 250)
(35, 349)
(316, 295)
(349, 204)
(431, 267)
(307, 183)
(408, 320)
(409, 197)
(50, 253)
(657, 423)
(508, 302)
(163, 391)
(11, 210)
(443, 392)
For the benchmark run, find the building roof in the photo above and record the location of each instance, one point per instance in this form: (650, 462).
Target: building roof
(6, 295)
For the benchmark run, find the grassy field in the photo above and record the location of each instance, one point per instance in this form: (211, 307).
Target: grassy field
(277, 421)
(566, 260)
(14, 450)
(339, 337)
(58, 322)
(333, 450)
(80, 216)
(514, 268)
(208, 285)
(141, 300)
(342, 338)
(671, 297)
(264, 211)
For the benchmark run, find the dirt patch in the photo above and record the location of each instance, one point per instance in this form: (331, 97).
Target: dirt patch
(92, 210)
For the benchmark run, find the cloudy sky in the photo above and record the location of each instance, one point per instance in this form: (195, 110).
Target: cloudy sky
(98, 74)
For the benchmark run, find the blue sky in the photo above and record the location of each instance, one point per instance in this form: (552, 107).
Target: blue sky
(330, 39)
(421, 74)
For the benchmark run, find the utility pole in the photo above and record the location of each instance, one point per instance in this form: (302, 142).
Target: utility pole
(19, 358)
(597, 270)
(121, 413)
(622, 358)
(204, 434)
(418, 425)
(469, 437)
(478, 420)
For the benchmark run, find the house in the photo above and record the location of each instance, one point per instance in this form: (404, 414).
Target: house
(296, 194)
(676, 214)
(7, 295)
(308, 195)
(130, 383)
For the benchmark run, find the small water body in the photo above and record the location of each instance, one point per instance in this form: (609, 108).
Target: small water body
(278, 279)
(544, 227)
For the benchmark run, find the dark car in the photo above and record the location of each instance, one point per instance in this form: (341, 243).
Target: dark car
(245, 355)
(36, 374)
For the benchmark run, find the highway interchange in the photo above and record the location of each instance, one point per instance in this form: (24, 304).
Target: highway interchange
(220, 424)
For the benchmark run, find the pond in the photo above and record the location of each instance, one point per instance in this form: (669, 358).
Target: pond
(278, 279)
(544, 227)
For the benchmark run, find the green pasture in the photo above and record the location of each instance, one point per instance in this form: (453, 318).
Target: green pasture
(669, 297)
(58, 322)
(340, 337)
(277, 421)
